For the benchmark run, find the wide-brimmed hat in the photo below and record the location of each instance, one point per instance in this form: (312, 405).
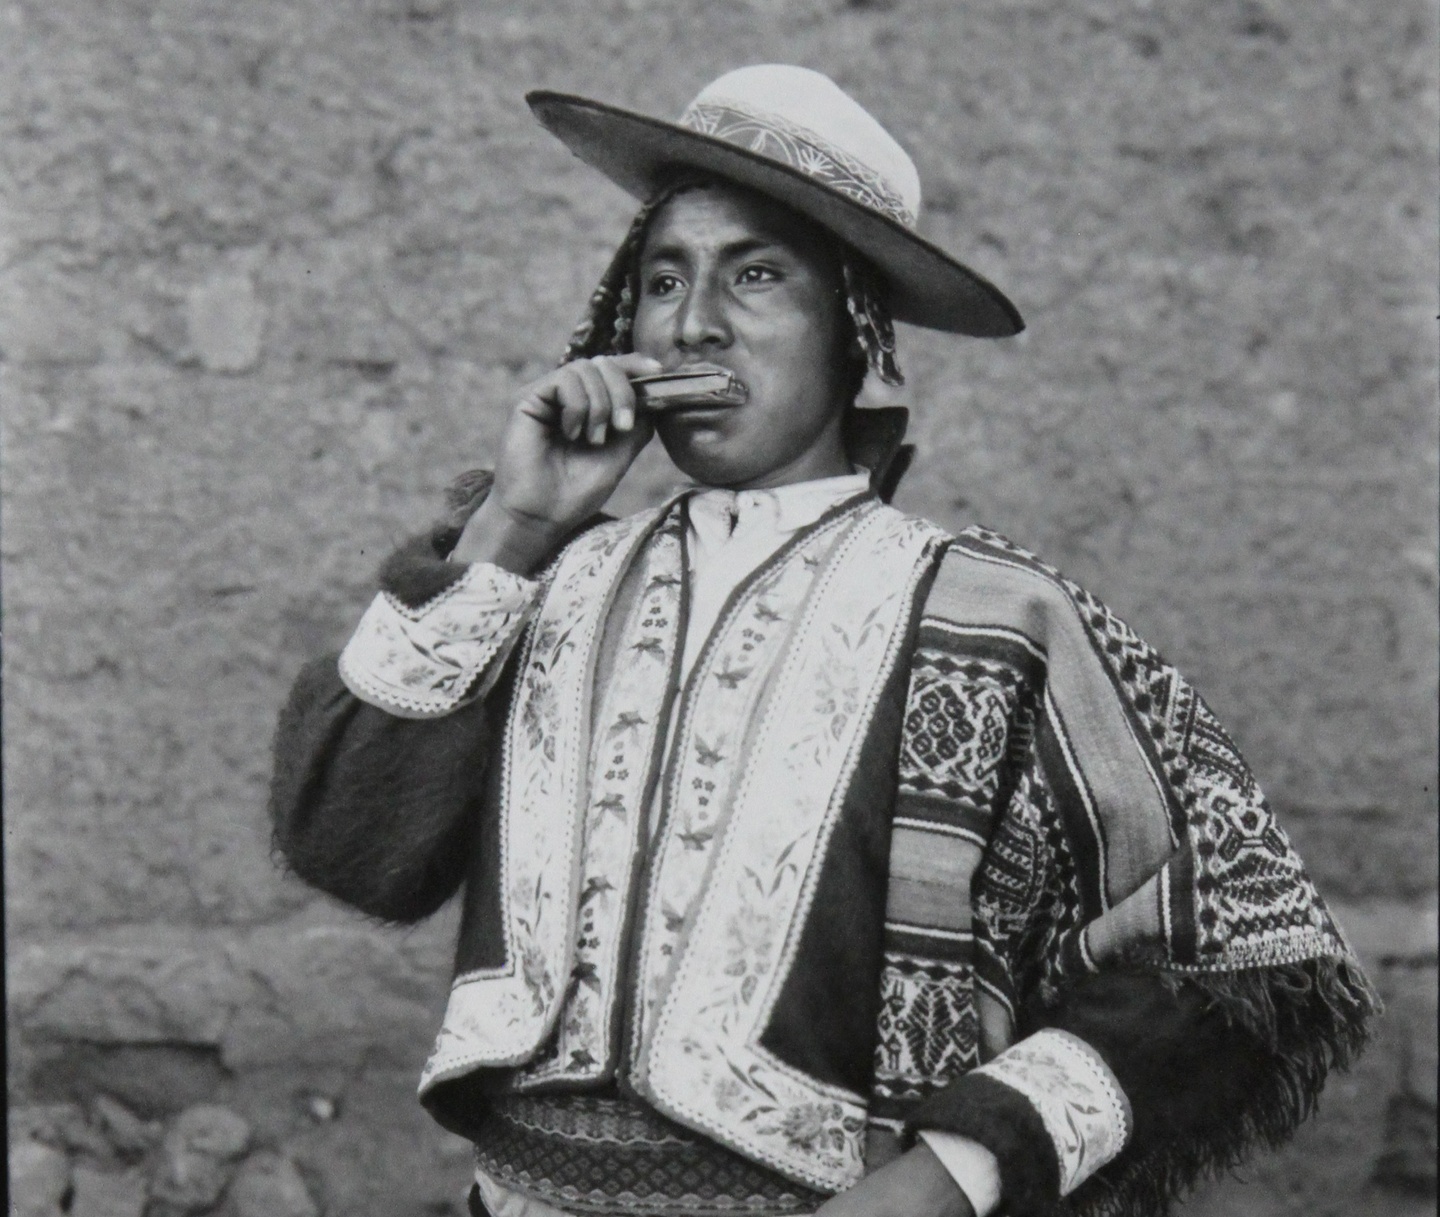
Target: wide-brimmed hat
(795, 135)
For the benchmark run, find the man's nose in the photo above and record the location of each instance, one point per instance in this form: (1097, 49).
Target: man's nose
(702, 320)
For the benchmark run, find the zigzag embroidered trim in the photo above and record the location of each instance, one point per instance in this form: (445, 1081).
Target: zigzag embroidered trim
(800, 148)
(1077, 1097)
(423, 662)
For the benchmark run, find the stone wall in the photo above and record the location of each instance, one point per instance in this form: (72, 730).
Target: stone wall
(271, 270)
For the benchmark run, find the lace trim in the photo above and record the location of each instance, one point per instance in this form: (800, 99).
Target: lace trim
(424, 662)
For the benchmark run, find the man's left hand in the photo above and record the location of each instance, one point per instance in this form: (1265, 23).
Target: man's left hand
(916, 1184)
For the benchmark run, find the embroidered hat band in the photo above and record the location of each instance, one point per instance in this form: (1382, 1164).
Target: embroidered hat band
(720, 114)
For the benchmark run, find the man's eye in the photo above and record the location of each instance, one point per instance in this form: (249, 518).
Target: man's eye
(758, 274)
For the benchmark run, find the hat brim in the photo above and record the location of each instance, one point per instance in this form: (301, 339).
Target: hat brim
(928, 287)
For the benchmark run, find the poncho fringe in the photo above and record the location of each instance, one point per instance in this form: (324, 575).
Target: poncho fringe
(1308, 1018)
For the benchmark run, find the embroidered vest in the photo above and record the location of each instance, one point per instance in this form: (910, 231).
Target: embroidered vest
(772, 716)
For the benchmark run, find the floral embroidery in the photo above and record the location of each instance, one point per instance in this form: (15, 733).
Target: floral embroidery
(623, 754)
(707, 1004)
(1076, 1096)
(421, 663)
(501, 1016)
(705, 768)
(539, 716)
(817, 1127)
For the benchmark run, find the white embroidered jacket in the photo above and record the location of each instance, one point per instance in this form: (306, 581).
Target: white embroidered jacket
(668, 962)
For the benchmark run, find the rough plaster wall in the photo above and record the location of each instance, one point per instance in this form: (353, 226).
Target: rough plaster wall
(273, 270)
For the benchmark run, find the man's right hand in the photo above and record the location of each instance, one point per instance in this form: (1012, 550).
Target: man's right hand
(569, 441)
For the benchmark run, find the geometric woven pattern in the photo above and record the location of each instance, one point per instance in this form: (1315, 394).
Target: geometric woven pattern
(958, 726)
(927, 1027)
(592, 1153)
(1009, 888)
(1060, 907)
(1253, 903)
(1253, 896)
(1242, 897)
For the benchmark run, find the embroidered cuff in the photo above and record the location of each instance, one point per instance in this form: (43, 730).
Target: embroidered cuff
(425, 662)
(974, 1168)
(1077, 1097)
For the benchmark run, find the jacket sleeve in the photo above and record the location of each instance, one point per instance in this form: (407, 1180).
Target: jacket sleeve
(1170, 1074)
(380, 753)
(1170, 988)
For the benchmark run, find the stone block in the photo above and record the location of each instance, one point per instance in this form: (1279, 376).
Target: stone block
(1410, 1008)
(216, 1132)
(39, 1179)
(226, 323)
(1421, 1070)
(151, 1079)
(63, 1126)
(130, 1135)
(137, 989)
(380, 1154)
(143, 1005)
(40, 1121)
(197, 1159)
(108, 1193)
(268, 1185)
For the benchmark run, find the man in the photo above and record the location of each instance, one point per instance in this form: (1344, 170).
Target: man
(813, 860)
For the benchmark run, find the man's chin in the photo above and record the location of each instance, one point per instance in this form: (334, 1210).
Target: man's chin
(705, 455)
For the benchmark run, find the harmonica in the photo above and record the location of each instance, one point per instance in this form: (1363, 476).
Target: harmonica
(698, 386)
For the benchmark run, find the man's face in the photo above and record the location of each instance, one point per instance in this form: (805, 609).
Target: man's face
(730, 278)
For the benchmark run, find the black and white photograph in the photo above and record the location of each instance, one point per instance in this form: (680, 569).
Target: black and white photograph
(728, 608)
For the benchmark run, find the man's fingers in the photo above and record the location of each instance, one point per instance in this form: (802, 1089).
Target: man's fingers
(622, 394)
(584, 398)
(574, 400)
(600, 405)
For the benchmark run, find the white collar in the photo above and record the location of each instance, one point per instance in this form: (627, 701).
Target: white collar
(781, 508)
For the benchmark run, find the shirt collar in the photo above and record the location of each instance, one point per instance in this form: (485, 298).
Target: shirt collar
(783, 508)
